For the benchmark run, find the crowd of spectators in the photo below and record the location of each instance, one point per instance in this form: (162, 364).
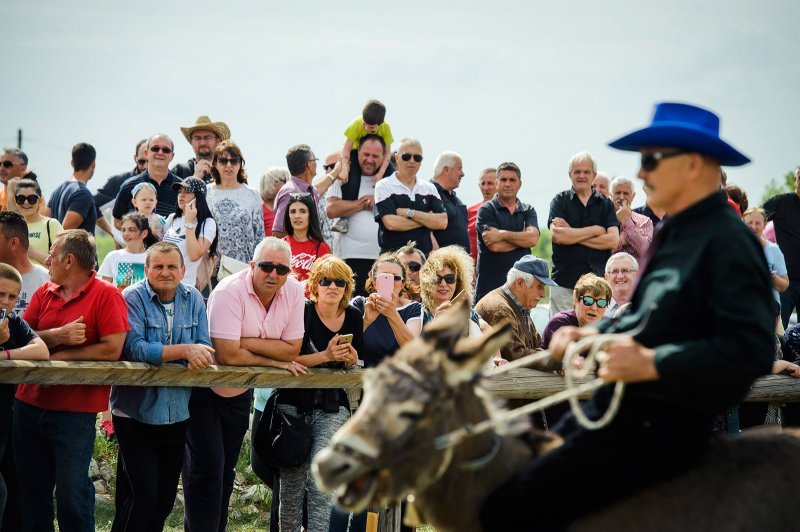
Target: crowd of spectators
(214, 268)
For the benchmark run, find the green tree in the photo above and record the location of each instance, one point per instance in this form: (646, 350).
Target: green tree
(779, 186)
(544, 247)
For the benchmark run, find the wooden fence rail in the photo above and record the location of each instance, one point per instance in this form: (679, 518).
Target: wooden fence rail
(519, 384)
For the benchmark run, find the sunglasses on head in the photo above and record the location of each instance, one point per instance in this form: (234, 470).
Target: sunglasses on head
(162, 149)
(8, 164)
(297, 196)
(20, 199)
(329, 167)
(225, 160)
(450, 278)
(407, 157)
(589, 301)
(267, 267)
(341, 283)
(650, 160)
(414, 266)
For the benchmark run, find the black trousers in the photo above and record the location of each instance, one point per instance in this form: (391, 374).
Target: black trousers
(360, 269)
(608, 464)
(148, 468)
(217, 426)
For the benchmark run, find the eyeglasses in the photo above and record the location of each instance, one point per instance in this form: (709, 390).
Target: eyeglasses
(589, 301)
(450, 278)
(162, 149)
(268, 267)
(20, 199)
(297, 196)
(623, 271)
(414, 266)
(8, 164)
(329, 167)
(141, 162)
(650, 160)
(225, 160)
(313, 160)
(341, 283)
(407, 157)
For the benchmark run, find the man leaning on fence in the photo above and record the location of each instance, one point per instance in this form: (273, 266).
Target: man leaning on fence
(168, 324)
(80, 317)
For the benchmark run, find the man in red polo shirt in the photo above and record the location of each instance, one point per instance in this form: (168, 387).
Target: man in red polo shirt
(79, 317)
(487, 182)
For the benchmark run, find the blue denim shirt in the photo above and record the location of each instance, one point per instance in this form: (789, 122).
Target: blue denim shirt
(158, 405)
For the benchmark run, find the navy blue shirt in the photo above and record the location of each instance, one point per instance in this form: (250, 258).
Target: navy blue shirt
(73, 196)
(493, 266)
(572, 261)
(456, 231)
(784, 211)
(379, 339)
(167, 198)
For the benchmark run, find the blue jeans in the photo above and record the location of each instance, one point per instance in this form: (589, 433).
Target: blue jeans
(52, 449)
(790, 300)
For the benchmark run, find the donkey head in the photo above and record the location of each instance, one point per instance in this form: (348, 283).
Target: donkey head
(386, 450)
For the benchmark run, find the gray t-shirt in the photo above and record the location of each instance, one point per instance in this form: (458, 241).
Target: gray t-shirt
(31, 282)
(240, 220)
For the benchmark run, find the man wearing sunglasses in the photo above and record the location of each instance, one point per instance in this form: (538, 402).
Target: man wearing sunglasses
(106, 194)
(13, 164)
(408, 208)
(159, 152)
(704, 319)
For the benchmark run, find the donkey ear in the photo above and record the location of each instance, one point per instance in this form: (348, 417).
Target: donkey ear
(470, 355)
(447, 328)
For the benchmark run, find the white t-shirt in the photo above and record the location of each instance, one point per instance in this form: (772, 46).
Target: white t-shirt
(31, 282)
(176, 233)
(361, 239)
(124, 268)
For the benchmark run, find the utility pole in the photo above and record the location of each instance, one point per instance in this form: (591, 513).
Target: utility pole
(19, 138)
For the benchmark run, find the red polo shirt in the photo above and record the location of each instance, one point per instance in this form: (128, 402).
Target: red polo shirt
(104, 312)
(472, 220)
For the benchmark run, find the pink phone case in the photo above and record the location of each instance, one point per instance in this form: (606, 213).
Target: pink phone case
(385, 285)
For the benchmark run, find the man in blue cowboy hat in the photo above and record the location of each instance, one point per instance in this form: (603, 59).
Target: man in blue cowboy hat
(706, 317)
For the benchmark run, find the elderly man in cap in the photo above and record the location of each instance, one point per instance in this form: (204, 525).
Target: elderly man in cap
(204, 136)
(522, 291)
(704, 317)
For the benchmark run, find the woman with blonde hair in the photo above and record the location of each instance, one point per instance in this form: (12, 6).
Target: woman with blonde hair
(590, 298)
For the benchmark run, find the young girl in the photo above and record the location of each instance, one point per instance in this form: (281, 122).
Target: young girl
(192, 227)
(124, 267)
(303, 234)
(144, 200)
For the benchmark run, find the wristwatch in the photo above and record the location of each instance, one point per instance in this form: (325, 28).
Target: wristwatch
(333, 179)
(410, 214)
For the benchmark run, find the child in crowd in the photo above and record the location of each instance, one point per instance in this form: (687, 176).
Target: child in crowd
(370, 121)
(144, 200)
(124, 267)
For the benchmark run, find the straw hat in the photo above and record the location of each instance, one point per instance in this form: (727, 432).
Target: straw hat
(220, 129)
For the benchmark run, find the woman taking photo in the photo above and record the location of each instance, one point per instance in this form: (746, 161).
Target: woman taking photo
(236, 208)
(333, 338)
(42, 231)
(389, 322)
(123, 267)
(303, 234)
(192, 227)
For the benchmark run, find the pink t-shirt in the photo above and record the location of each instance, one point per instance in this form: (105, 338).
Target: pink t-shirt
(234, 310)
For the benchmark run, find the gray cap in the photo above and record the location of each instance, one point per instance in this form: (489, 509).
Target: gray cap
(536, 267)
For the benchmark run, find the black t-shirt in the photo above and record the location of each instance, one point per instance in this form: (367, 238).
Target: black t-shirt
(21, 335)
(315, 340)
(784, 211)
(456, 231)
(572, 261)
(167, 198)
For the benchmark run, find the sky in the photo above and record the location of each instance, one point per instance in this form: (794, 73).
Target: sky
(530, 82)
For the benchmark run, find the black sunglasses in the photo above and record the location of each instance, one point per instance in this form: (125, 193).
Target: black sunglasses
(589, 301)
(450, 278)
(8, 164)
(329, 167)
(267, 267)
(414, 266)
(296, 196)
(407, 157)
(341, 283)
(650, 160)
(20, 199)
(156, 149)
(225, 160)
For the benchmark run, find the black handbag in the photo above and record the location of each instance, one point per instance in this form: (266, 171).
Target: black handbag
(282, 440)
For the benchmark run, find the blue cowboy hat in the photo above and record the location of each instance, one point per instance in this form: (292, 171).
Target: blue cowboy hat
(679, 125)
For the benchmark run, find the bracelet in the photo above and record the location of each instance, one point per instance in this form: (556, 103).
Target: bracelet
(333, 179)
(190, 226)
(8, 354)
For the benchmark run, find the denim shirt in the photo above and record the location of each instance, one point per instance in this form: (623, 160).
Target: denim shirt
(158, 405)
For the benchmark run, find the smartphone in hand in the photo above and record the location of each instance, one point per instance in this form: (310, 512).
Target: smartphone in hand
(345, 339)
(459, 297)
(384, 283)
